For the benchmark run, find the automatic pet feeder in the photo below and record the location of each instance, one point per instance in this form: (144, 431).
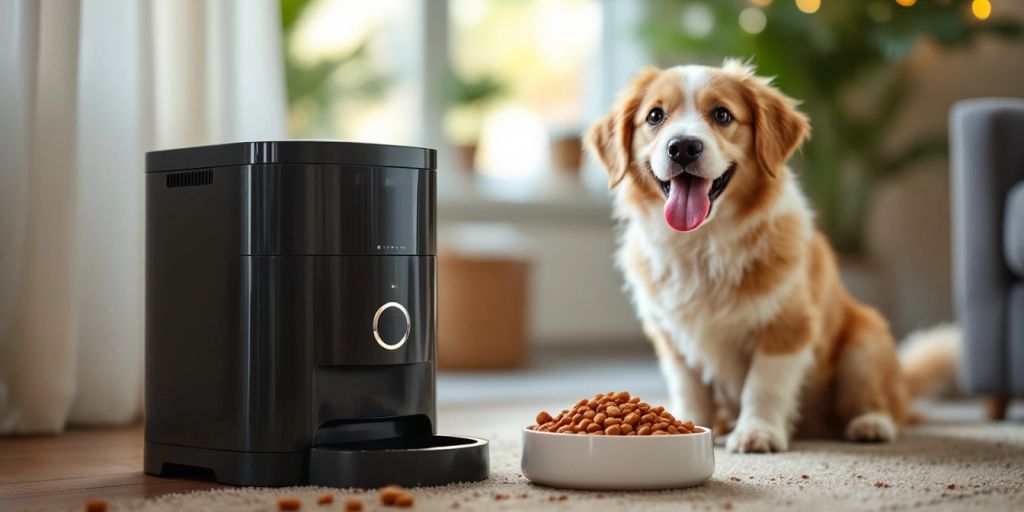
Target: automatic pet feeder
(290, 317)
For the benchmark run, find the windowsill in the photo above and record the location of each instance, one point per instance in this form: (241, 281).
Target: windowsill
(553, 197)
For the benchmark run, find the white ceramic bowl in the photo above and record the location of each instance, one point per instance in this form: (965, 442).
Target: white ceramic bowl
(618, 462)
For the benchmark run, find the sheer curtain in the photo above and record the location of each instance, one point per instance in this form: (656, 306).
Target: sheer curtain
(86, 87)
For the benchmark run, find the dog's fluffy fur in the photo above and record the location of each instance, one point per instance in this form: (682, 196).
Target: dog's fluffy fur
(747, 313)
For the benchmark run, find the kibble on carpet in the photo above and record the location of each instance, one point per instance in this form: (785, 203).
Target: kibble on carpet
(939, 465)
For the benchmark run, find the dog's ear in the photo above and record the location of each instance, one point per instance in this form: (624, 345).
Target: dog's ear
(611, 138)
(779, 128)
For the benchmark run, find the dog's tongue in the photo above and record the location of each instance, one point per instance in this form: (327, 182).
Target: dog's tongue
(688, 203)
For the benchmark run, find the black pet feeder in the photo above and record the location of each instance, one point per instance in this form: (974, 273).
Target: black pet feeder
(290, 317)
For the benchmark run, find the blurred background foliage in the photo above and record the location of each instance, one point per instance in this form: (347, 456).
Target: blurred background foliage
(320, 90)
(471, 95)
(847, 60)
(516, 69)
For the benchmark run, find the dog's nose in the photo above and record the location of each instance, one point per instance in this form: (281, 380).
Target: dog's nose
(685, 150)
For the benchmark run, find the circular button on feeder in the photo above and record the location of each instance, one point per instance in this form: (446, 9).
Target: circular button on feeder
(376, 322)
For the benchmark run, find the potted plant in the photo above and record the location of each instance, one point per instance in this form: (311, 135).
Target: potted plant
(468, 99)
(566, 151)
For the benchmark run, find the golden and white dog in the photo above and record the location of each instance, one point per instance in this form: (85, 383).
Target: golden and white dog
(736, 289)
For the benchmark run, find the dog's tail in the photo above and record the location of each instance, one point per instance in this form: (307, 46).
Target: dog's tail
(930, 358)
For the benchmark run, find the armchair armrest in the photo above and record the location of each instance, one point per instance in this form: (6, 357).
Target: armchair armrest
(987, 158)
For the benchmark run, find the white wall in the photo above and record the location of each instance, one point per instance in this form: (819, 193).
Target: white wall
(575, 293)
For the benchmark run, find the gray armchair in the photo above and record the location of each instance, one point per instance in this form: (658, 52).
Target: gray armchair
(987, 161)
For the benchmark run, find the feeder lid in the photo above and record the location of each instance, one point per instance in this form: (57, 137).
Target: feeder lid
(290, 152)
(409, 461)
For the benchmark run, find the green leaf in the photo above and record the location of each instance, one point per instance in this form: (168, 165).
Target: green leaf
(462, 91)
(291, 11)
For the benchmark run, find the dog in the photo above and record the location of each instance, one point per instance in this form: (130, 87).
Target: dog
(734, 286)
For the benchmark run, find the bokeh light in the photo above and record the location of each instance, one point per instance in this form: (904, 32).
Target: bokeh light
(981, 9)
(698, 20)
(753, 20)
(808, 6)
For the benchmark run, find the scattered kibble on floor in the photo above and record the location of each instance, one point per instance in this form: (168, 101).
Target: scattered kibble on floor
(394, 495)
(96, 505)
(404, 500)
(389, 494)
(289, 503)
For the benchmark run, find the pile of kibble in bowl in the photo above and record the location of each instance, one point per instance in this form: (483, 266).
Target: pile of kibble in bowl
(613, 414)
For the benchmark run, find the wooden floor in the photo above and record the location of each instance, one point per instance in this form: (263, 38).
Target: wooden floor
(69, 469)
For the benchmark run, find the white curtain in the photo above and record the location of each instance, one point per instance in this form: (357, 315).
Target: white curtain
(86, 87)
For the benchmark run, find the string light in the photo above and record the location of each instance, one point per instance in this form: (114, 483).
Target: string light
(808, 6)
(981, 9)
(906, 3)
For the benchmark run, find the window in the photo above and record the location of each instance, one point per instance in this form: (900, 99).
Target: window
(537, 54)
(507, 77)
(347, 65)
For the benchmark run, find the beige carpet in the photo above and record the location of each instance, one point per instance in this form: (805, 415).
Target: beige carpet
(941, 465)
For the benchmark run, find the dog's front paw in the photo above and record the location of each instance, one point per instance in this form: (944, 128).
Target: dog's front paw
(757, 437)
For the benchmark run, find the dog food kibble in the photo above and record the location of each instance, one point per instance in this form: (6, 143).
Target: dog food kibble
(289, 504)
(613, 414)
(404, 500)
(394, 495)
(96, 505)
(389, 494)
(353, 505)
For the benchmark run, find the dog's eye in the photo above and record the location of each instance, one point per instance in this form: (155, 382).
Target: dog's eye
(655, 116)
(721, 116)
